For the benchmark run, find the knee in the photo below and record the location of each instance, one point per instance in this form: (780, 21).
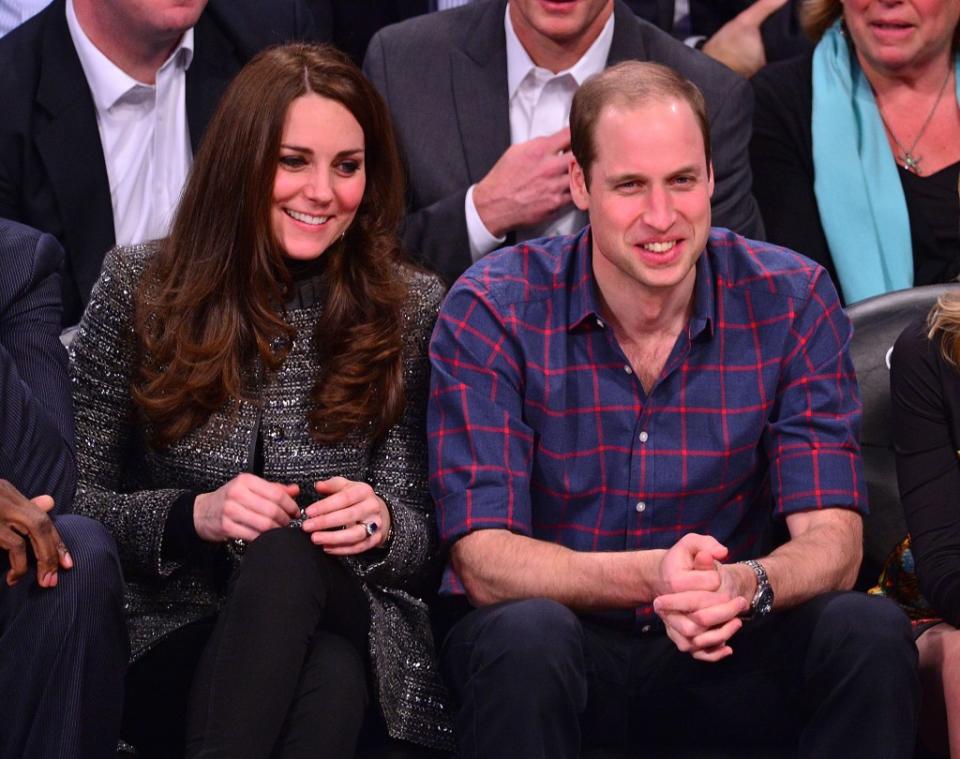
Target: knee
(939, 649)
(282, 550)
(855, 630)
(281, 569)
(95, 581)
(529, 639)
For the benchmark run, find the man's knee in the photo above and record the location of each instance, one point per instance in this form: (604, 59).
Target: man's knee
(864, 633)
(530, 642)
(851, 618)
(94, 584)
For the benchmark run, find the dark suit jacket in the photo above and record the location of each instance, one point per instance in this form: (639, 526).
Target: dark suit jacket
(354, 22)
(444, 76)
(36, 416)
(52, 172)
(782, 36)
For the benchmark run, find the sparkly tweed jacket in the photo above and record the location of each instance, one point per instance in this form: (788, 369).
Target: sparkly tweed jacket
(131, 487)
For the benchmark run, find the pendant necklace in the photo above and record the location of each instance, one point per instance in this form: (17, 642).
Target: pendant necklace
(908, 160)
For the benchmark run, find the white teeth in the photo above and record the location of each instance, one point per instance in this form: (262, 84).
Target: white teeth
(305, 217)
(659, 247)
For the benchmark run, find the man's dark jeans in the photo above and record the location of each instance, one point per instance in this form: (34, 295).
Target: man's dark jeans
(836, 676)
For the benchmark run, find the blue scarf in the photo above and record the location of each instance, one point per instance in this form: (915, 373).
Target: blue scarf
(858, 189)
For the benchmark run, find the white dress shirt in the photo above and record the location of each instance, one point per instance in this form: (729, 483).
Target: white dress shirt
(144, 134)
(539, 105)
(15, 12)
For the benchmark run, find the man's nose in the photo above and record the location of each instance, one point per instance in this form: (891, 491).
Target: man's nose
(659, 213)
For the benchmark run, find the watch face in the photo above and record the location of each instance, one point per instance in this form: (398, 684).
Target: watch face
(764, 602)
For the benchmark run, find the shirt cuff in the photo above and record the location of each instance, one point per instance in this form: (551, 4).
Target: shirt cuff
(481, 240)
(180, 537)
(697, 41)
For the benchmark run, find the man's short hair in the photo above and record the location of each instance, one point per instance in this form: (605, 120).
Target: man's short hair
(631, 84)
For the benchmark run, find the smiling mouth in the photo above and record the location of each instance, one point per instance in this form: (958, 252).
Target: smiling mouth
(891, 25)
(659, 247)
(305, 217)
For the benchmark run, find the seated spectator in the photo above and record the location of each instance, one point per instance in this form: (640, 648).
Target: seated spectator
(856, 147)
(63, 648)
(257, 382)
(617, 419)
(925, 386)
(104, 104)
(741, 34)
(480, 96)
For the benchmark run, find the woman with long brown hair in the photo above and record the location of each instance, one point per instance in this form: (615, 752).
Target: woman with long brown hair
(250, 399)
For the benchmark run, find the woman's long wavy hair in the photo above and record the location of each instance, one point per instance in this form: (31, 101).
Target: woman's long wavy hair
(944, 320)
(816, 16)
(211, 301)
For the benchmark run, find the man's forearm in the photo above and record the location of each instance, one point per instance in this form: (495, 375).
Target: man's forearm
(497, 565)
(823, 554)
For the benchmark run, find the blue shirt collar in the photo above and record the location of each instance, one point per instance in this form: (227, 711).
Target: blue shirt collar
(584, 302)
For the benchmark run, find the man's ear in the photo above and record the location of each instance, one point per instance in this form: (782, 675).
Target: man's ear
(578, 186)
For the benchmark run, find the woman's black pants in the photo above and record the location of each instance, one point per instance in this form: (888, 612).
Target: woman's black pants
(281, 673)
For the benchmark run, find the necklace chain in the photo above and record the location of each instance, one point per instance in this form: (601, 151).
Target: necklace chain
(908, 160)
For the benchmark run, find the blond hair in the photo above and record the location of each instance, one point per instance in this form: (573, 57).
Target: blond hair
(944, 318)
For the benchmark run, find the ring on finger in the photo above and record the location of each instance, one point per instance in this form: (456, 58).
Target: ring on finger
(371, 528)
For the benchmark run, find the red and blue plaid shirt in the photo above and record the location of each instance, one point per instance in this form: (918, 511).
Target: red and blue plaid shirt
(538, 425)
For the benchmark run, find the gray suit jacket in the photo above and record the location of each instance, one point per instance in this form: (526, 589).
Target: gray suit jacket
(444, 76)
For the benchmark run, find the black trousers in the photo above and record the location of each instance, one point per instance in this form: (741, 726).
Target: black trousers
(836, 675)
(63, 652)
(282, 672)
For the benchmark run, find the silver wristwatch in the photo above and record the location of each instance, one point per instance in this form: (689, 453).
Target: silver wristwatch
(762, 603)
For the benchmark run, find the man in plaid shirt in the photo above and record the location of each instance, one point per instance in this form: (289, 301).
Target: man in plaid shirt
(645, 462)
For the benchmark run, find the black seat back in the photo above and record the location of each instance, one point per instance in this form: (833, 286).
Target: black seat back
(877, 322)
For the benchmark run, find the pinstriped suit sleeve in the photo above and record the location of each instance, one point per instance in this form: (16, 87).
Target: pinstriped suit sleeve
(36, 432)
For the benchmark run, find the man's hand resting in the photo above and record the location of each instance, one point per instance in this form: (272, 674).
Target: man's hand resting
(23, 519)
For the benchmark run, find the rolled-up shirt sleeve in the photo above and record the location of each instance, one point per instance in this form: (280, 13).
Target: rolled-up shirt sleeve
(480, 448)
(812, 439)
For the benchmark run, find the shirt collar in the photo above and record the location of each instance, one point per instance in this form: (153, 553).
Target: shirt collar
(585, 298)
(704, 317)
(107, 81)
(520, 64)
(584, 302)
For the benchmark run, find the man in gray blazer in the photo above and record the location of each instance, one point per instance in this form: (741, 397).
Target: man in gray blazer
(447, 80)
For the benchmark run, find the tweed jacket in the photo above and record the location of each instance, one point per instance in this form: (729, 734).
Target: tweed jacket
(130, 486)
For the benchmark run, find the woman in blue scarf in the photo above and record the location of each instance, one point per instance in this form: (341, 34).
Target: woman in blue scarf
(856, 149)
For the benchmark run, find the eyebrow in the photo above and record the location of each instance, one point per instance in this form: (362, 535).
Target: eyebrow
(634, 177)
(341, 154)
